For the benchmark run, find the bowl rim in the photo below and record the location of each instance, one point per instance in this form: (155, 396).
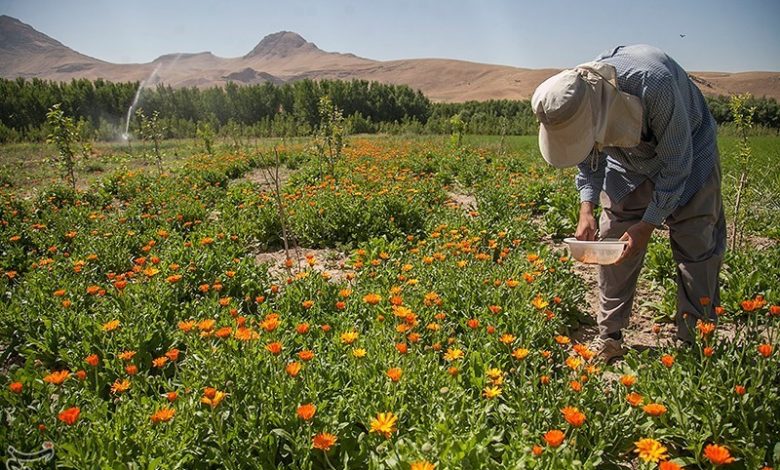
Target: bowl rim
(614, 241)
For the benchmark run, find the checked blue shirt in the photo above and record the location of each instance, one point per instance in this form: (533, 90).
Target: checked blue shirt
(678, 150)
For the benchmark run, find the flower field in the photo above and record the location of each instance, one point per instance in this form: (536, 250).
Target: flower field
(425, 320)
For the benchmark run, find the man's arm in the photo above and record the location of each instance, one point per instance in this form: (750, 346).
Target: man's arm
(589, 181)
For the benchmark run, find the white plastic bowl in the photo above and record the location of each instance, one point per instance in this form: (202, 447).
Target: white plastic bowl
(596, 252)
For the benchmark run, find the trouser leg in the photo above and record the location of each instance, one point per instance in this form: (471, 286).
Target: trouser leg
(698, 238)
(617, 282)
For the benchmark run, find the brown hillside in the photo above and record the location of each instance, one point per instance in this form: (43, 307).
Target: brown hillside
(283, 56)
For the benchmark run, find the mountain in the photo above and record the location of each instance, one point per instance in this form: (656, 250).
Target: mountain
(285, 56)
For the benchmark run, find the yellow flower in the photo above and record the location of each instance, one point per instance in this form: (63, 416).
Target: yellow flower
(422, 465)
(520, 353)
(453, 354)
(384, 424)
(359, 353)
(650, 450)
(349, 337)
(491, 392)
(111, 326)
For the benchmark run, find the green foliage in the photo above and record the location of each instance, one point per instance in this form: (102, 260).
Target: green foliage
(67, 137)
(205, 134)
(152, 131)
(743, 119)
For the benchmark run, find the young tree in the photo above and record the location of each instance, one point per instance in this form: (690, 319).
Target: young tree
(66, 135)
(330, 135)
(742, 114)
(151, 131)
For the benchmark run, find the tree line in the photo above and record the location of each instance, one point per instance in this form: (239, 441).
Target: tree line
(262, 110)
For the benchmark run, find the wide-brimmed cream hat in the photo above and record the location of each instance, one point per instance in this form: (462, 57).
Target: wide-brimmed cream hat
(563, 104)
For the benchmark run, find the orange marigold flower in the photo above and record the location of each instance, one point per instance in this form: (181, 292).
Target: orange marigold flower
(765, 349)
(349, 337)
(544, 379)
(507, 338)
(172, 354)
(160, 362)
(384, 423)
(718, 455)
(774, 311)
(708, 351)
(453, 371)
(306, 355)
(212, 397)
(372, 299)
(323, 441)
(126, 355)
(292, 368)
(573, 362)
(132, 369)
(171, 396)
(573, 416)
(739, 390)
(654, 409)
(306, 411)
(628, 380)
(16, 387)
(81, 374)
(554, 437)
(93, 360)
(402, 348)
(302, 328)
(473, 323)
(307, 304)
(70, 415)
(668, 465)
(495, 309)
(705, 328)
(537, 450)
(560, 339)
(163, 415)
(634, 399)
(667, 360)
(111, 325)
(186, 326)
(575, 385)
(274, 348)
(520, 353)
(57, 377)
(120, 386)
(394, 373)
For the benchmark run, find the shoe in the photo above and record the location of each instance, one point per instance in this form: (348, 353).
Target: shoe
(607, 349)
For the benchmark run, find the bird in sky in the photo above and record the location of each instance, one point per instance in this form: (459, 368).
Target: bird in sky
(683, 35)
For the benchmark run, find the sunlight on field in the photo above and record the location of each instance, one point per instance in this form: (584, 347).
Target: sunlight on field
(425, 311)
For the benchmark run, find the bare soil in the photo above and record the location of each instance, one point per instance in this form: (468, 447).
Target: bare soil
(327, 262)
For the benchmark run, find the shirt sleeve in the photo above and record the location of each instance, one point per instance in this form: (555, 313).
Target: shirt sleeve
(590, 178)
(668, 120)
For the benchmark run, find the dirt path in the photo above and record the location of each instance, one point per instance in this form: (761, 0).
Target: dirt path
(263, 179)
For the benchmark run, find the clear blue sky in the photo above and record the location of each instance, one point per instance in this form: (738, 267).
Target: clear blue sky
(721, 35)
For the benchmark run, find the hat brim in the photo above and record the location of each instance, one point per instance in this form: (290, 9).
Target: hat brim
(569, 143)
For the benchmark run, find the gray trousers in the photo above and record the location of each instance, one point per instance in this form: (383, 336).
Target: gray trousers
(697, 233)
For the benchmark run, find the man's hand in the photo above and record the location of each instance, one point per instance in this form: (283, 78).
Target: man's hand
(637, 236)
(586, 226)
